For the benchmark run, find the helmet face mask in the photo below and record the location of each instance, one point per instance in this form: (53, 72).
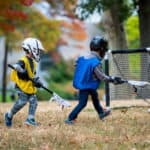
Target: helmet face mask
(36, 54)
(33, 46)
(99, 44)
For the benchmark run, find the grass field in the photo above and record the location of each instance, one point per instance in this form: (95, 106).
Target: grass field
(124, 129)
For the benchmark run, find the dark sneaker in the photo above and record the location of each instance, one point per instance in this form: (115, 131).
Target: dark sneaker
(104, 114)
(70, 122)
(31, 122)
(8, 120)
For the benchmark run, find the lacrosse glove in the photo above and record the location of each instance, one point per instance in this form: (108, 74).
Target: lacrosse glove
(37, 83)
(23, 74)
(116, 80)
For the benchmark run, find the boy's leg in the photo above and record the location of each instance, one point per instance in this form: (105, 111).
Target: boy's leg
(32, 109)
(22, 100)
(102, 114)
(96, 102)
(83, 97)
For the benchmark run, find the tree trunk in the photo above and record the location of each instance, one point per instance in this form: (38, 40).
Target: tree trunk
(144, 22)
(4, 84)
(114, 30)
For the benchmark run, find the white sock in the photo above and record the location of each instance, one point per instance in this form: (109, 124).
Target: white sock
(10, 115)
(30, 117)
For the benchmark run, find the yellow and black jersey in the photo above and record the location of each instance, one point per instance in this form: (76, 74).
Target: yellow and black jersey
(24, 84)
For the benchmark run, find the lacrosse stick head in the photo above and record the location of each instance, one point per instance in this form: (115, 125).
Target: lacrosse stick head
(62, 102)
(138, 83)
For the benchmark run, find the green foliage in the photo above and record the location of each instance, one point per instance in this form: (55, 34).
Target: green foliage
(8, 97)
(132, 29)
(62, 72)
(43, 95)
(61, 89)
(60, 81)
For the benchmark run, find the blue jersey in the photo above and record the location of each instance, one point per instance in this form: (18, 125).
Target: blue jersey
(84, 73)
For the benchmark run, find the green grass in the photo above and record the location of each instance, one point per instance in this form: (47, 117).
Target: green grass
(8, 98)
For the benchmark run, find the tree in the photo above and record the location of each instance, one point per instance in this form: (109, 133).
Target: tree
(10, 12)
(144, 25)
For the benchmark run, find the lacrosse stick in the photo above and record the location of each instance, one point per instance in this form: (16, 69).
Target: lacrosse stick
(55, 97)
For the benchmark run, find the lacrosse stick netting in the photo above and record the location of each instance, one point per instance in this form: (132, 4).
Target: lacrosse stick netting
(133, 65)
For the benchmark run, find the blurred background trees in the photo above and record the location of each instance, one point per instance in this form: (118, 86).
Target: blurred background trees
(121, 21)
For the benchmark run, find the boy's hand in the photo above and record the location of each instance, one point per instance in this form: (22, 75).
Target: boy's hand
(37, 82)
(116, 80)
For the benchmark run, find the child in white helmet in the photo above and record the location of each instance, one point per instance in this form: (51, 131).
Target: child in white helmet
(25, 68)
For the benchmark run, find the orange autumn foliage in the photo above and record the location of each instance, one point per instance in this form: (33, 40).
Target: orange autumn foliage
(76, 29)
(10, 12)
(79, 35)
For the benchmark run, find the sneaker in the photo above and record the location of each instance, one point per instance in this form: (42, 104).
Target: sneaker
(31, 122)
(8, 120)
(104, 114)
(70, 122)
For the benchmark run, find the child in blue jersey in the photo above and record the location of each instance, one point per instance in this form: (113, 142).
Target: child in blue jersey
(87, 77)
(25, 69)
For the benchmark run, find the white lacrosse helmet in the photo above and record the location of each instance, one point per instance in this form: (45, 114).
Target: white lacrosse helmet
(34, 46)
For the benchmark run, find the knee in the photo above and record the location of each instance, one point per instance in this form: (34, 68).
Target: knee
(33, 100)
(19, 104)
(82, 105)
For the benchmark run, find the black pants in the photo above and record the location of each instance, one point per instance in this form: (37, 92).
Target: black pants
(83, 98)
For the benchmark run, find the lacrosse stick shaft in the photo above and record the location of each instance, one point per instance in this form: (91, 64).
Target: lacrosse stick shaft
(51, 92)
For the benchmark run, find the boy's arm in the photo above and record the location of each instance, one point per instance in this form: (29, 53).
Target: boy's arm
(100, 74)
(21, 71)
(19, 66)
